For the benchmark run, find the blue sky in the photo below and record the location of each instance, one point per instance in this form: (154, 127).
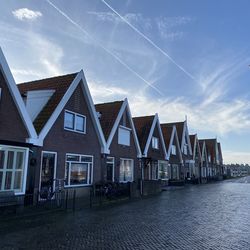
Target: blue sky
(176, 58)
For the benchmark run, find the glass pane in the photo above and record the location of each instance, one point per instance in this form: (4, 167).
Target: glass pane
(86, 159)
(19, 160)
(1, 179)
(110, 171)
(2, 156)
(47, 174)
(79, 174)
(73, 158)
(69, 120)
(18, 180)
(80, 122)
(67, 173)
(128, 171)
(8, 179)
(10, 160)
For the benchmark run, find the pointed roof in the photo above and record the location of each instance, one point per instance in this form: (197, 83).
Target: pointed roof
(108, 113)
(110, 117)
(179, 127)
(167, 130)
(11, 84)
(59, 84)
(143, 126)
(64, 87)
(211, 147)
(192, 141)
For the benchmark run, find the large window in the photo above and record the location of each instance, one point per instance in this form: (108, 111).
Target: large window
(155, 142)
(12, 169)
(124, 136)
(163, 170)
(74, 122)
(78, 170)
(126, 170)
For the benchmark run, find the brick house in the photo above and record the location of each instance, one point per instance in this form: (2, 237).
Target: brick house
(17, 135)
(70, 138)
(197, 157)
(122, 159)
(204, 159)
(214, 168)
(174, 154)
(154, 155)
(186, 149)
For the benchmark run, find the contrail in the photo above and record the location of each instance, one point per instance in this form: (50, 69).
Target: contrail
(107, 50)
(150, 41)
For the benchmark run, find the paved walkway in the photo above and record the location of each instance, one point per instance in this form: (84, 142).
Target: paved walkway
(212, 216)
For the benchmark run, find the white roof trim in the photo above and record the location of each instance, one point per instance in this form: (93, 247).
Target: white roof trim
(124, 106)
(17, 99)
(196, 143)
(174, 135)
(80, 78)
(185, 133)
(155, 121)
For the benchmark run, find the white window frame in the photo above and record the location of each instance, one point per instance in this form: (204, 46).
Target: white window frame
(41, 163)
(127, 159)
(161, 162)
(122, 128)
(111, 160)
(24, 170)
(90, 181)
(75, 116)
(173, 149)
(155, 142)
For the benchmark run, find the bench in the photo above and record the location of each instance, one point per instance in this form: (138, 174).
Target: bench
(9, 199)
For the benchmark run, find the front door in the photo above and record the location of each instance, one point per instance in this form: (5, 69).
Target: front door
(110, 169)
(48, 173)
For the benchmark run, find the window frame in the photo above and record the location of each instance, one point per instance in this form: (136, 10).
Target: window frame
(154, 140)
(123, 128)
(173, 149)
(75, 115)
(90, 170)
(111, 161)
(24, 170)
(166, 170)
(133, 167)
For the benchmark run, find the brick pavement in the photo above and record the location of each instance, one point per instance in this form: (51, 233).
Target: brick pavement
(212, 216)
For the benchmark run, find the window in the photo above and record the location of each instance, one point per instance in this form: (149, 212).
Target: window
(126, 170)
(154, 170)
(175, 172)
(124, 136)
(110, 168)
(12, 169)
(185, 149)
(163, 170)
(173, 150)
(0, 93)
(74, 122)
(155, 143)
(78, 170)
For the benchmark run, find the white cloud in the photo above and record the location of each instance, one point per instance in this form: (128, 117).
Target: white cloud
(236, 157)
(167, 26)
(26, 14)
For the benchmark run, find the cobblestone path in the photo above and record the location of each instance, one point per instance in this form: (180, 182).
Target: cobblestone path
(212, 216)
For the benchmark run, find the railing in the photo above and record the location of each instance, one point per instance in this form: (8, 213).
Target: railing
(104, 193)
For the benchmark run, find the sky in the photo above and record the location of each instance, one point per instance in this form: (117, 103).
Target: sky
(176, 58)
